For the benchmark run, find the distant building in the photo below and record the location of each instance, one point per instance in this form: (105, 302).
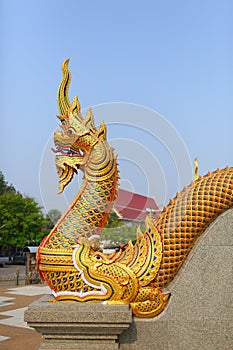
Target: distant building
(133, 208)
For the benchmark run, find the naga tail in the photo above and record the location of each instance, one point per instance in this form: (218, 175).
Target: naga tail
(188, 215)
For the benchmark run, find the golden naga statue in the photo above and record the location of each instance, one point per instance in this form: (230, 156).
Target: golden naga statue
(69, 258)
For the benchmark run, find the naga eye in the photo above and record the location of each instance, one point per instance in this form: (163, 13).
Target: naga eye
(69, 132)
(98, 257)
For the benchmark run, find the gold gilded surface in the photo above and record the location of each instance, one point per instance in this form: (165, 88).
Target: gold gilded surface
(196, 176)
(188, 215)
(69, 258)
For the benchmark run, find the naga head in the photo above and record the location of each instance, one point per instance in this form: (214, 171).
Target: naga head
(119, 275)
(108, 278)
(75, 142)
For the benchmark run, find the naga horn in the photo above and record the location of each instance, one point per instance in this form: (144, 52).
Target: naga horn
(64, 105)
(63, 89)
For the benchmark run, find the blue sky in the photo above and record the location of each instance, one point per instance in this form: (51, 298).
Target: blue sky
(173, 57)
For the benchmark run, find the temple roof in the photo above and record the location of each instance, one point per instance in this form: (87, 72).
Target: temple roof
(134, 207)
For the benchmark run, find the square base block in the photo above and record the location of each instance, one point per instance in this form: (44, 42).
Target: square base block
(74, 325)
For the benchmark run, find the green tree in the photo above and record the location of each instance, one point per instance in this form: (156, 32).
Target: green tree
(52, 217)
(21, 221)
(4, 186)
(113, 220)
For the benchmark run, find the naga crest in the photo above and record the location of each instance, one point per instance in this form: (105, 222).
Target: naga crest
(78, 136)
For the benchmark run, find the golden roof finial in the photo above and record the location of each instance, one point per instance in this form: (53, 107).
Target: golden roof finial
(196, 176)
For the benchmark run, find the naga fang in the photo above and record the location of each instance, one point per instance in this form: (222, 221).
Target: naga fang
(69, 258)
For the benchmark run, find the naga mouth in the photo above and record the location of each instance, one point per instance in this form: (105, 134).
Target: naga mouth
(68, 161)
(68, 151)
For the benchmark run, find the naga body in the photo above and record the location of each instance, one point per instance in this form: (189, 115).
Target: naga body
(69, 258)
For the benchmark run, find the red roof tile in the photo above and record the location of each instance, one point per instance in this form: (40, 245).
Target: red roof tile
(134, 206)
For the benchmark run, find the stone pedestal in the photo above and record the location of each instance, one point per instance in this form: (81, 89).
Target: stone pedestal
(73, 325)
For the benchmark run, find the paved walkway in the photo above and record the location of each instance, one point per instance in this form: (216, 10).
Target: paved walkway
(14, 332)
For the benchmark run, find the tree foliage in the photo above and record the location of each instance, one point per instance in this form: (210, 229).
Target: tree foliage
(22, 221)
(117, 236)
(52, 217)
(116, 233)
(4, 186)
(113, 220)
